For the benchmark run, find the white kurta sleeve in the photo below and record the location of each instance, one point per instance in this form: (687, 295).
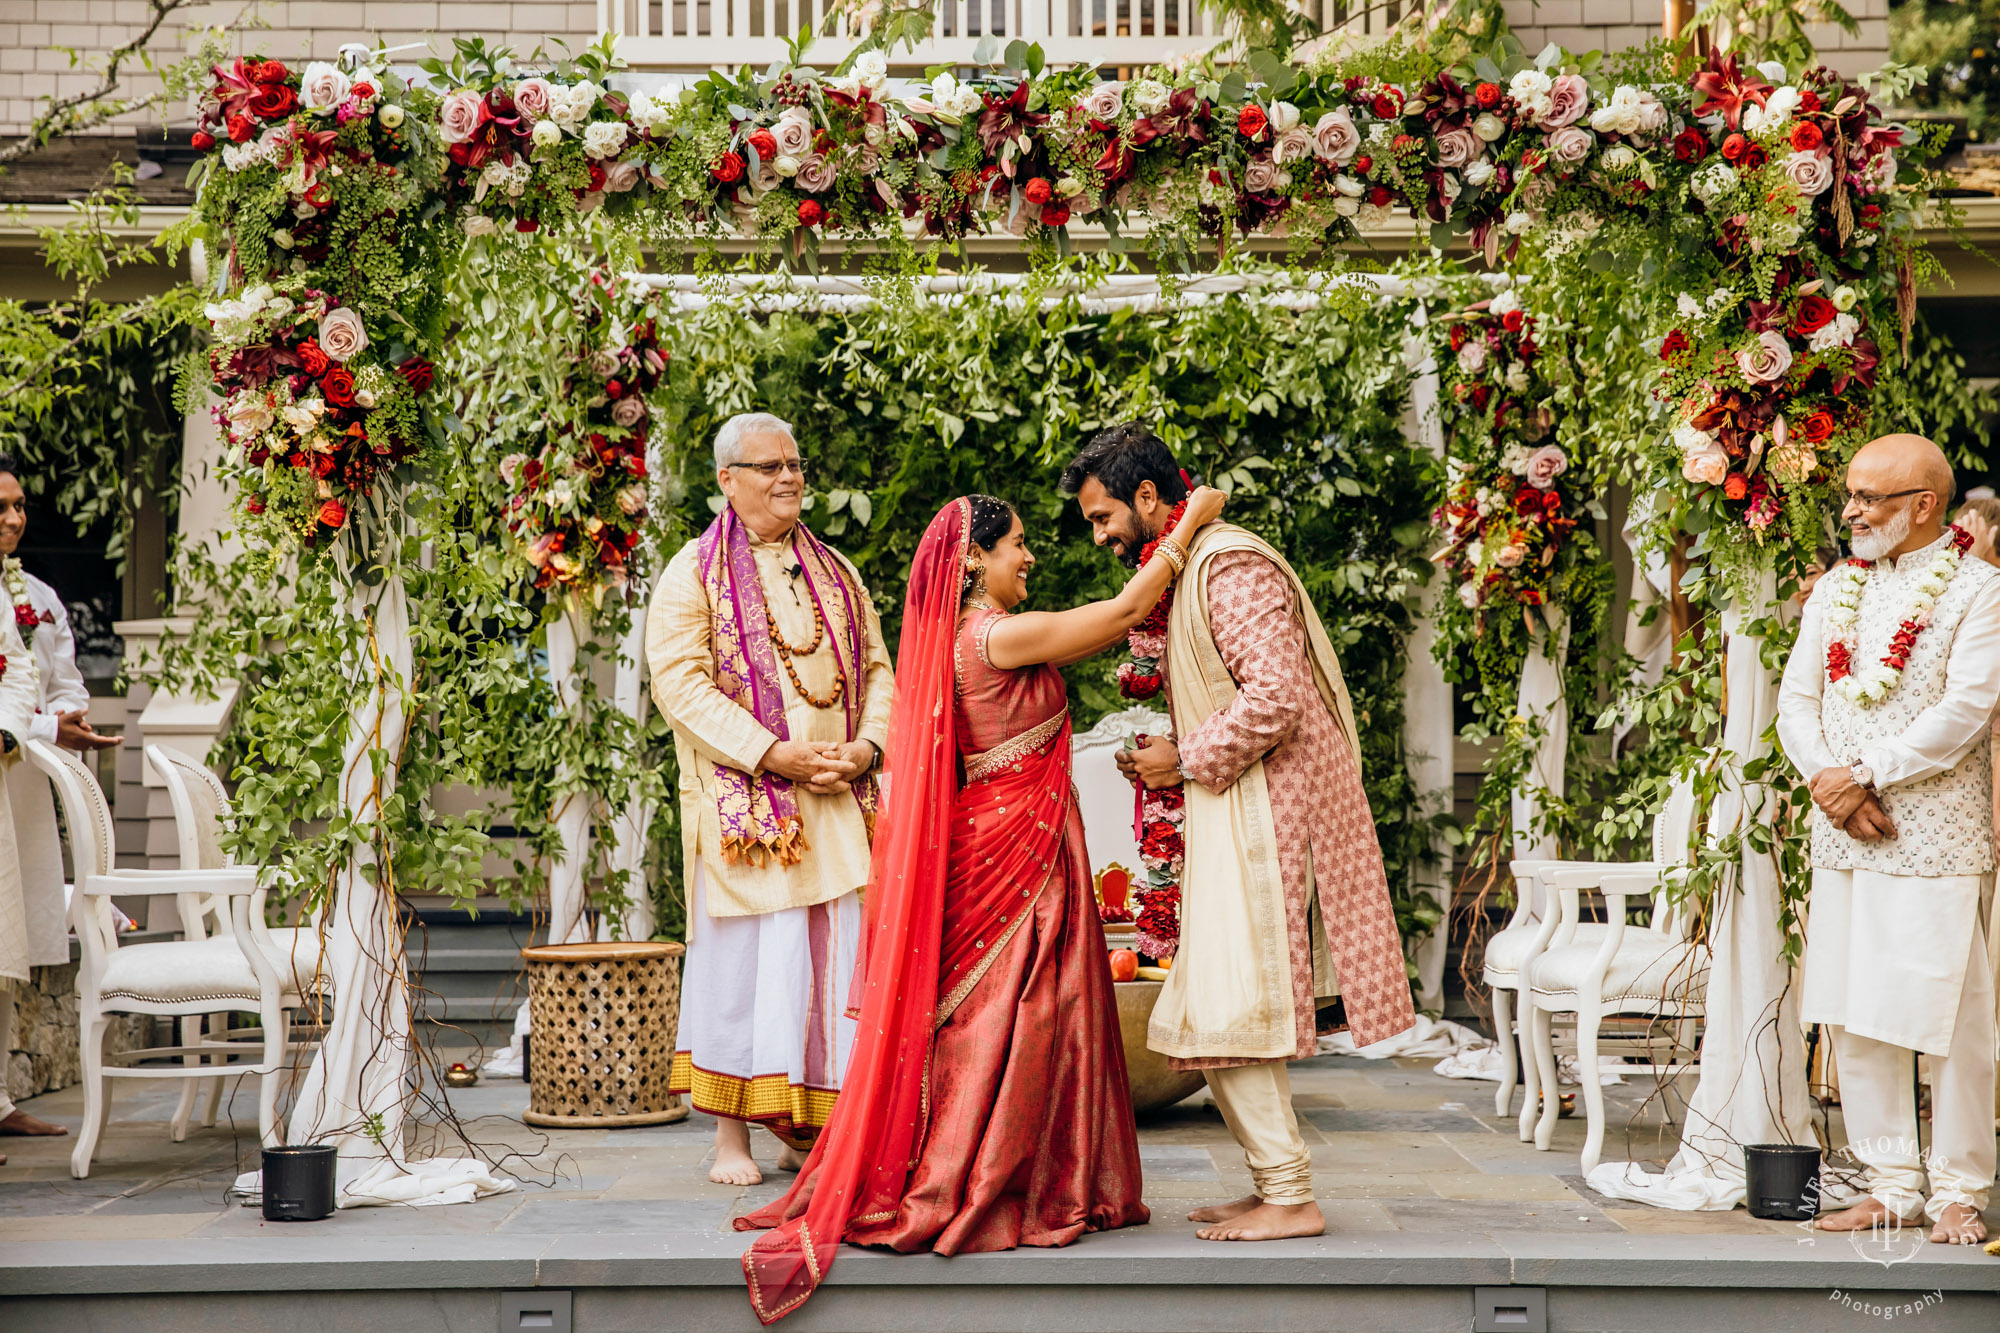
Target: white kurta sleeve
(1945, 732)
(62, 687)
(1799, 692)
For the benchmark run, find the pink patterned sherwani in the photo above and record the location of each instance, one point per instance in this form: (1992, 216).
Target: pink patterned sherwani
(1326, 832)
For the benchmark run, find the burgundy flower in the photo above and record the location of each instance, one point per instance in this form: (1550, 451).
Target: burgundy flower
(1727, 89)
(1007, 118)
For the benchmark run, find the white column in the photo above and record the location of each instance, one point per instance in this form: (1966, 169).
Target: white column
(628, 827)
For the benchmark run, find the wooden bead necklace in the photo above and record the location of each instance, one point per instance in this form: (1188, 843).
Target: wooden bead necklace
(786, 652)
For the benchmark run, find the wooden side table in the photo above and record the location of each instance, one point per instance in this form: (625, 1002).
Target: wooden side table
(604, 1017)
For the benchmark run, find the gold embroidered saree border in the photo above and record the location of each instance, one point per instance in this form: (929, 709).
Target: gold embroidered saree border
(767, 1098)
(987, 763)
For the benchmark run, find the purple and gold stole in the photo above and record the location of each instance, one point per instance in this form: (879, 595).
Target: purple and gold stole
(760, 815)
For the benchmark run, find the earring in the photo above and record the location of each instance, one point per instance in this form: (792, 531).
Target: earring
(975, 580)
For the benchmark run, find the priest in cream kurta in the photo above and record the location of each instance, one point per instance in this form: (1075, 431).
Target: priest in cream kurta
(1902, 843)
(773, 925)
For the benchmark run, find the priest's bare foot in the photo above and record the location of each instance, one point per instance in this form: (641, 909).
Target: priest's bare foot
(1270, 1221)
(22, 1123)
(1959, 1225)
(733, 1164)
(791, 1159)
(1224, 1212)
(1870, 1212)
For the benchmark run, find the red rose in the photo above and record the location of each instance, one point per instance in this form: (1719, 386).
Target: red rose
(1815, 312)
(728, 169)
(338, 386)
(1806, 137)
(596, 173)
(1816, 428)
(1809, 102)
(363, 90)
(1690, 145)
(1055, 215)
(320, 465)
(25, 617)
(332, 514)
(312, 358)
(526, 224)
(203, 140)
(1037, 191)
(253, 504)
(1380, 196)
(1402, 143)
(273, 101)
(417, 373)
(1733, 146)
(240, 129)
(1251, 122)
(1676, 343)
(765, 143)
(1481, 395)
(272, 71)
(1736, 486)
(1363, 165)
(1487, 95)
(1753, 157)
(810, 213)
(1458, 335)
(1388, 104)
(1514, 320)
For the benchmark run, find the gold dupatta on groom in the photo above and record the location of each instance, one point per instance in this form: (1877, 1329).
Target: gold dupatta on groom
(1229, 992)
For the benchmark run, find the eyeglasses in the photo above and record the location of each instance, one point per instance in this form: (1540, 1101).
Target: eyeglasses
(1868, 499)
(797, 466)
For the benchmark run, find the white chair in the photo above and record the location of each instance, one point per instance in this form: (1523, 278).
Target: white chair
(192, 976)
(201, 809)
(1593, 970)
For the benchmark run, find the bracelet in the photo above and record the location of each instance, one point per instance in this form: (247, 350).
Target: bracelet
(1174, 553)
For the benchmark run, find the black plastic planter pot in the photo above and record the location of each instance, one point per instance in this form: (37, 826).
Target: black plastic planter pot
(1782, 1180)
(298, 1182)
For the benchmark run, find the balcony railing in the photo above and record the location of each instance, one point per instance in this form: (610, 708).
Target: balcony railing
(704, 34)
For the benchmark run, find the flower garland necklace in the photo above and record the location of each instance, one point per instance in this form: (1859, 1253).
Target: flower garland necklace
(1162, 850)
(1870, 685)
(26, 618)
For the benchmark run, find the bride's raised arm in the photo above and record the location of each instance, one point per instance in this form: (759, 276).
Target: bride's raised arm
(1062, 637)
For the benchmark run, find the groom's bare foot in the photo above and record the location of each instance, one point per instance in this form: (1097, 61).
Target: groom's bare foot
(733, 1164)
(1870, 1212)
(1223, 1212)
(20, 1122)
(1958, 1225)
(1270, 1221)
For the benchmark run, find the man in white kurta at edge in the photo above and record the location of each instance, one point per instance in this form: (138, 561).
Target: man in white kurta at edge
(1901, 767)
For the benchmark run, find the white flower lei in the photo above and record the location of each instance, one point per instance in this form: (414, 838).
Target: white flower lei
(16, 580)
(1867, 685)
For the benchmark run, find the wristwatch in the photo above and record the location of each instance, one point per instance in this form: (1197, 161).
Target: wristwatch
(1863, 776)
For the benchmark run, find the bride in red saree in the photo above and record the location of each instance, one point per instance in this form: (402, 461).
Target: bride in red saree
(985, 1105)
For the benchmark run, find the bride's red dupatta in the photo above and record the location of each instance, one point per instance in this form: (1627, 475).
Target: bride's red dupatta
(861, 1161)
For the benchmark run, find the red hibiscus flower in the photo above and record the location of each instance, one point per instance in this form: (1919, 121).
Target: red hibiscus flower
(1676, 343)
(728, 168)
(338, 386)
(810, 213)
(1690, 145)
(273, 101)
(1816, 427)
(765, 143)
(417, 373)
(1251, 122)
(332, 514)
(1815, 312)
(1055, 215)
(1806, 137)
(1487, 95)
(1037, 191)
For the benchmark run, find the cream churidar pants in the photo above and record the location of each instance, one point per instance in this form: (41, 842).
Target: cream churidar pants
(6, 1043)
(1256, 1104)
(1878, 1098)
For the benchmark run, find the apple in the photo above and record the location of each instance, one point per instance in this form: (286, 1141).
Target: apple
(1124, 965)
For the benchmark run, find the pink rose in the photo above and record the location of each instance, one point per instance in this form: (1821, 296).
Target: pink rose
(1294, 145)
(1568, 100)
(1767, 362)
(632, 501)
(1335, 136)
(622, 177)
(1545, 465)
(1704, 463)
(603, 364)
(510, 467)
(1571, 143)
(1472, 357)
(1811, 172)
(1458, 148)
(793, 132)
(628, 412)
(1262, 176)
(1106, 100)
(815, 173)
(464, 111)
(1510, 556)
(341, 334)
(531, 98)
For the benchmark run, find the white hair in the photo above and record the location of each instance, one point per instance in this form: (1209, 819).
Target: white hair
(729, 440)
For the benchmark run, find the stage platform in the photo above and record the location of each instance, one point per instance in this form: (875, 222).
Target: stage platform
(1431, 1202)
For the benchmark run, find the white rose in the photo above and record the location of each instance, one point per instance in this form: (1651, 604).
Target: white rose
(1713, 181)
(1839, 333)
(1370, 216)
(603, 138)
(785, 165)
(1489, 127)
(1618, 157)
(1517, 377)
(323, 88)
(794, 133)
(966, 101)
(1149, 96)
(1284, 116)
(363, 398)
(477, 224)
(871, 67)
(1349, 186)
(546, 134)
(1479, 173)
(1518, 222)
(1844, 298)
(1506, 303)
(1346, 205)
(1472, 357)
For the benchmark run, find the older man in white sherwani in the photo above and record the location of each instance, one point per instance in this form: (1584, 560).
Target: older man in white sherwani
(17, 706)
(1894, 734)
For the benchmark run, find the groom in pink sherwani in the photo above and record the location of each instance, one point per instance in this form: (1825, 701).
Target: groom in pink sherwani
(1280, 839)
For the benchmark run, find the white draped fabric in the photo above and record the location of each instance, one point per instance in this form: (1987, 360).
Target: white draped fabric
(628, 827)
(568, 894)
(1541, 700)
(355, 1092)
(1752, 1085)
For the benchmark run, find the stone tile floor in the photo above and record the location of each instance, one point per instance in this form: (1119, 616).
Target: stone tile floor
(1395, 1149)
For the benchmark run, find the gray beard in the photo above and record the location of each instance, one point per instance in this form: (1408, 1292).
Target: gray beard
(1879, 541)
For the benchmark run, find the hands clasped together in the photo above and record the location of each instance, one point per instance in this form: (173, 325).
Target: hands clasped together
(821, 767)
(1853, 808)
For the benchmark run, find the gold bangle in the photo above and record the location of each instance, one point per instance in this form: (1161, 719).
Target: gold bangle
(1174, 554)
